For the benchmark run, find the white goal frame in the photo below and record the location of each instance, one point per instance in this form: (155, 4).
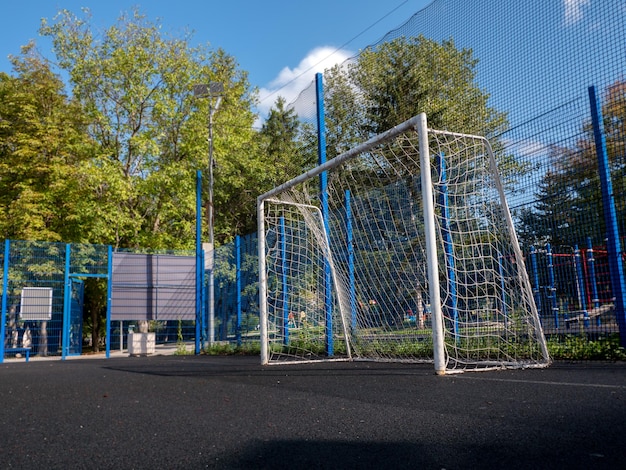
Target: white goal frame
(432, 247)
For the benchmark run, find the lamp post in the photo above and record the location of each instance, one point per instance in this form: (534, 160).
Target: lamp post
(214, 90)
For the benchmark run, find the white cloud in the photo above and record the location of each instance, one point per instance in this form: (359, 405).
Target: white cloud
(291, 82)
(528, 148)
(574, 10)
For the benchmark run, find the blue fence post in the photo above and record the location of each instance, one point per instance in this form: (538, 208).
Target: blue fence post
(204, 308)
(321, 151)
(535, 270)
(199, 263)
(505, 311)
(67, 299)
(238, 286)
(592, 274)
(109, 300)
(580, 280)
(616, 268)
(5, 293)
(350, 246)
(452, 300)
(284, 280)
(551, 286)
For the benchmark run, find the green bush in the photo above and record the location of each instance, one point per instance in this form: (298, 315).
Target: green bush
(226, 349)
(570, 347)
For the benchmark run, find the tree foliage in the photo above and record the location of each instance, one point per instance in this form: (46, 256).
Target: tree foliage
(133, 135)
(285, 155)
(396, 80)
(135, 85)
(44, 154)
(569, 194)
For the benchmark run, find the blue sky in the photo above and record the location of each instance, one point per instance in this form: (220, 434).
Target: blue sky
(276, 41)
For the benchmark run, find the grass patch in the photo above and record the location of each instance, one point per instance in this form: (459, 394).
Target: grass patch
(561, 347)
(228, 349)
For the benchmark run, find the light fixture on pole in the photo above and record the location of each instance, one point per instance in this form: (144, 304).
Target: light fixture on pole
(214, 90)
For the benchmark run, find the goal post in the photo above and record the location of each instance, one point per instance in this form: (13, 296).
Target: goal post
(418, 252)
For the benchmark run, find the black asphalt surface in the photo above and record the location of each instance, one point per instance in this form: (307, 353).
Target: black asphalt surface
(192, 412)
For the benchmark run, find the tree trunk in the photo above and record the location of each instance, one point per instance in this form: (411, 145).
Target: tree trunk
(95, 308)
(42, 349)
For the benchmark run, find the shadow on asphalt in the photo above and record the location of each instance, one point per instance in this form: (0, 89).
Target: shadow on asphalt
(208, 366)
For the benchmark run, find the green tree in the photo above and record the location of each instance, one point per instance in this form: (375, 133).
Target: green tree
(136, 86)
(390, 83)
(284, 155)
(237, 153)
(44, 150)
(569, 200)
(550, 220)
(404, 77)
(345, 115)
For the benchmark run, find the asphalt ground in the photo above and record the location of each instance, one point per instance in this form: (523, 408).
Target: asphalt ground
(171, 412)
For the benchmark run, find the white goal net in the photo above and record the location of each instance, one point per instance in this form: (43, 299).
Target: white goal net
(384, 261)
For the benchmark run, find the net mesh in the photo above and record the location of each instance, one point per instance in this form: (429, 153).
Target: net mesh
(358, 285)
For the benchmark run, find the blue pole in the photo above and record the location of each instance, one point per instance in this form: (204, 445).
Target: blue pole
(5, 292)
(535, 271)
(551, 286)
(238, 286)
(284, 287)
(109, 300)
(67, 299)
(580, 279)
(504, 309)
(616, 268)
(204, 299)
(452, 300)
(351, 274)
(321, 151)
(592, 275)
(199, 264)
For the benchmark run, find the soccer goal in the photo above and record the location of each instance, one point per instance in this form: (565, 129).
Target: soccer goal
(401, 249)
